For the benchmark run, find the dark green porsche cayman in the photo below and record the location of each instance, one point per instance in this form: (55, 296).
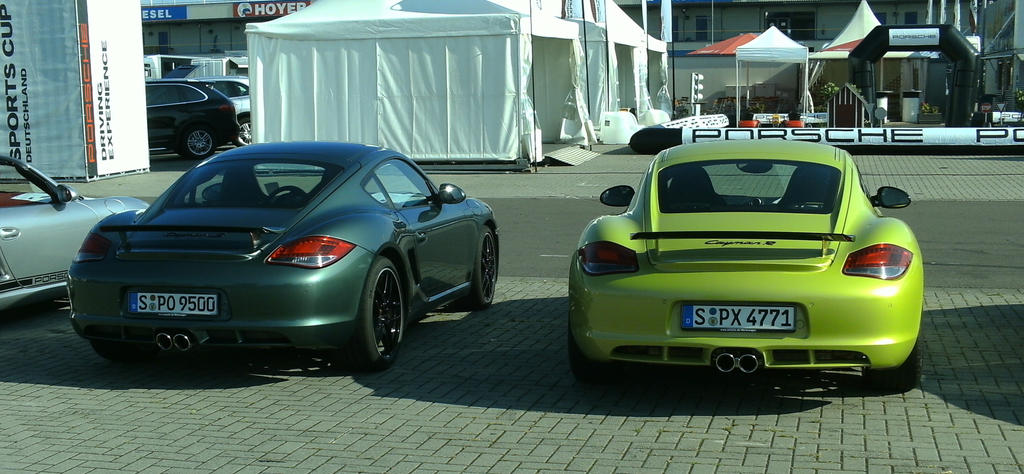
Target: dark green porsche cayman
(326, 246)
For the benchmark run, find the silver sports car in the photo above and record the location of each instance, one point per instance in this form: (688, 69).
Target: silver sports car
(42, 224)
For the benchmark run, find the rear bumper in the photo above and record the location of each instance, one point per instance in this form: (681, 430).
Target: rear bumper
(311, 332)
(842, 321)
(259, 305)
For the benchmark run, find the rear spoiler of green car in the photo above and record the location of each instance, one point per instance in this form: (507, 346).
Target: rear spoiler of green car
(254, 232)
(824, 238)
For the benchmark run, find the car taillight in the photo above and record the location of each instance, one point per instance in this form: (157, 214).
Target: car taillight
(94, 248)
(601, 258)
(316, 251)
(883, 261)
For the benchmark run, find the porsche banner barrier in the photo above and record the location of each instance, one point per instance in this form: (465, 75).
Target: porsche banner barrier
(74, 95)
(864, 136)
(651, 140)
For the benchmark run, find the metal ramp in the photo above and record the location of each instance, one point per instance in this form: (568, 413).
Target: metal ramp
(570, 155)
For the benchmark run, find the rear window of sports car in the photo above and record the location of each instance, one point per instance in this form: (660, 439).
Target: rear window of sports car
(748, 186)
(252, 183)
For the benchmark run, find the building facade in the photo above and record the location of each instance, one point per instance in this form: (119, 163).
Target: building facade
(209, 27)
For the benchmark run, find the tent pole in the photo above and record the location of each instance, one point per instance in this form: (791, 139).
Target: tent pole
(737, 92)
(533, 95)
(711, 27)
(647, 55)
(807, 87)
(608, 45)
(586, 65)
(673, 56)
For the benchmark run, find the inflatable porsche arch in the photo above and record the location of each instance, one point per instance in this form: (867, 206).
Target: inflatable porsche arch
(956, 136)
(944, 38)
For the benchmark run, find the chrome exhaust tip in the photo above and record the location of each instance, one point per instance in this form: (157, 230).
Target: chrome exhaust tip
(725, 362)
(164, 341)
(748, 363)
(182, 342)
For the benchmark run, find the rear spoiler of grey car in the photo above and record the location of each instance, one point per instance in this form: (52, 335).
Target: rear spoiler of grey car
(184, 230)
(824, 238)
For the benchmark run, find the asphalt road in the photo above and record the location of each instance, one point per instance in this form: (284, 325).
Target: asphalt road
(965, 244)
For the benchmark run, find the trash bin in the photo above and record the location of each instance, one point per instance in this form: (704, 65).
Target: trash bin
(882, 102)
(617, 127)
(911, 105)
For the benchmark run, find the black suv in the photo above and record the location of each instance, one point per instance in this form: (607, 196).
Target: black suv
(189, 117)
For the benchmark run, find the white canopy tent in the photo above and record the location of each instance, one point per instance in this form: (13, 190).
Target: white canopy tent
(772, 46)
(862, 22)
(439, 80)
(620, 56)
(838, 50)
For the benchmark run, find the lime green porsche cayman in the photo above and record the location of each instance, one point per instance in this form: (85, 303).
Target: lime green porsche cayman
(745, 256)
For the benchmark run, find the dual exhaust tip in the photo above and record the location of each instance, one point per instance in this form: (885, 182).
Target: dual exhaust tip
(727, 362)
(180, 341)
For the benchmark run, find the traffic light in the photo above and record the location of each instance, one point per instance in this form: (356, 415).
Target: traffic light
(696, 91)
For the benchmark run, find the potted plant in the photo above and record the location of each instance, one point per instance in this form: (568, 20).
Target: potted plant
(929, 114)
(822, 92)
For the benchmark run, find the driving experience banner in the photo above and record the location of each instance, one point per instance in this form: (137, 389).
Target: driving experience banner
(74, 99)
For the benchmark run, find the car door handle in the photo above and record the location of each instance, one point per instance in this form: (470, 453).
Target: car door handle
(9, 233)
(399, 225)
(421, 237)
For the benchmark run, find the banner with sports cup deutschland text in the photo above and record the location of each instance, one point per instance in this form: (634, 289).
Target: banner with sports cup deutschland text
(74, 93)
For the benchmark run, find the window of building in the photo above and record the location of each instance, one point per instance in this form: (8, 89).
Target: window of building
(796, 25)
(701, 31)
(910, 18)
(882, 18)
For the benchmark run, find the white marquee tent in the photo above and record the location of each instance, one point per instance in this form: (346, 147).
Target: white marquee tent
(439, 80)
(622, 61)
(862, 22)
(836, 52)
(772, 46)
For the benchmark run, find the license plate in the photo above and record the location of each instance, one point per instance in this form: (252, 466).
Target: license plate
(172, 303)
(739, 318)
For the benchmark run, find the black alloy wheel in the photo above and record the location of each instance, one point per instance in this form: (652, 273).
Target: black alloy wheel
(485, 275)
(388, 313)
(900, 379)
(379, 327)
(488, 267)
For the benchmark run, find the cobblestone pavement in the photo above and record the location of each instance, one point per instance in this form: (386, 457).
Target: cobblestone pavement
(491, 391)
(947, 178)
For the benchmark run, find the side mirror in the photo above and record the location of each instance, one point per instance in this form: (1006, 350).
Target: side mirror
(617, 196)
(450, 194)
(890, 198)
(66, 193)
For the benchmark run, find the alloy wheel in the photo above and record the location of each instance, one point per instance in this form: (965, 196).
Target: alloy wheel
(200, 142)
(488, 267)
(388, 313)
(245, 133)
